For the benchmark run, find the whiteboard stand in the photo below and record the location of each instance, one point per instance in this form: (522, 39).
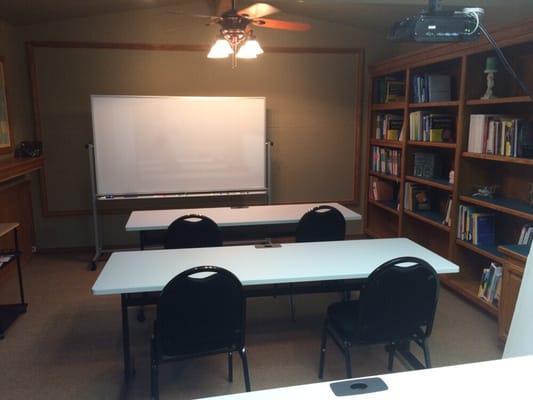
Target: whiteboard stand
(98, 249)
(96, 227)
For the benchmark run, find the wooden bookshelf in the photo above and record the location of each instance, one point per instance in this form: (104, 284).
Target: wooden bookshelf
(387, 206)
(465, 64)
(431, 182)
(436, 104)
(429, 217)
(442, 145)
(389, 106)
(502, 159)
(395, 144)
(499, 101)
(508, 206)
(387, 177)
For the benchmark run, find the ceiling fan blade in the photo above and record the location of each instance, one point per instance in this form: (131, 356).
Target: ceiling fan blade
(279, 24)
(223, 6)
(258, 10)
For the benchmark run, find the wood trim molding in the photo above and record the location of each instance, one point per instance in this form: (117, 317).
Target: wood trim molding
(8, 149)
(37, 121)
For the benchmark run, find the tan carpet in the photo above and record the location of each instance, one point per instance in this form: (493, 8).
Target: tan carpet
(68, 344)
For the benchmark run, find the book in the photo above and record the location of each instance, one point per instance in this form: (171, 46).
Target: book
(438, 87)
(483, 231)
(426, 165)
(395, 91)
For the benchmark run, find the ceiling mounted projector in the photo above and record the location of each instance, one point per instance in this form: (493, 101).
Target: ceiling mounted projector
(439, 26)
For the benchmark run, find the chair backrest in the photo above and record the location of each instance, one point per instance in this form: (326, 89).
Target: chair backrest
(200, 311)
(191, 231)
(322, 223)
(398, 299)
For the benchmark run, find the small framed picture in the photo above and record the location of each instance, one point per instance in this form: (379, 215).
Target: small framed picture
(6, 136)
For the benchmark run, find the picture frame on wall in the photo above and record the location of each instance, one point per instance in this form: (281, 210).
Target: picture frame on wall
(6, 135)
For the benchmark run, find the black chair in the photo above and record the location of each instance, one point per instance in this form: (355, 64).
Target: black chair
(396, 307)
(187, 231)
(322, 223)
(191, 231)
(198, 316)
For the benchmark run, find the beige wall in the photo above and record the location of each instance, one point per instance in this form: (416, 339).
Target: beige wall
(157, 26)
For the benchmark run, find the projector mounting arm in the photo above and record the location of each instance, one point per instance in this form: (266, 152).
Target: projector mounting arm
(434, 6)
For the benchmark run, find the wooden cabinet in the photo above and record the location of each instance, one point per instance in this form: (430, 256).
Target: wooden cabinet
(513, 269)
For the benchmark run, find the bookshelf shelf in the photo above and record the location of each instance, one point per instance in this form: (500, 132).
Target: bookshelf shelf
(465, 66)
(442, 145)
(468, 288)
(491, 252)
(516, 251)
(499, 100)
(387, 206)
(503, 159)
(432, 182)
(432, 218)
(395, 144)
(434, 104)
(391, 178)
(507, 206)
(388, 106)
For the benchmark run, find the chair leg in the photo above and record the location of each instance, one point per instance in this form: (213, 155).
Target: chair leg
(293, 311)
(242, 352)
(391, 350)
(154, 375)
(427, 359)
(140, 314)
(323, 344)
(230, 366)
(347, 359)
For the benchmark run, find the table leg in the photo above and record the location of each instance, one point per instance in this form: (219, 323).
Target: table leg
(19, 269)
(126, 337)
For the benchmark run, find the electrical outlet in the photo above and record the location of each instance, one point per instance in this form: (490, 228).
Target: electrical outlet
(34, 249)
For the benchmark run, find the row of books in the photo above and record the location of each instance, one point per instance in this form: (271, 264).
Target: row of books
(491, 282)
(382, 191)
(416, 197)
(389, 89)
(386, 161)
(526, 235)
(500, 135)
(430, 127)
(476, 226)
(431, 87)
(389, 126)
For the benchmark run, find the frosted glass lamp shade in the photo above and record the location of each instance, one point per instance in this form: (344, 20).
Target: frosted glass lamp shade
(221, 49)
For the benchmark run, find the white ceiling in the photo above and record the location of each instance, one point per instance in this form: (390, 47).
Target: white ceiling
(367, 14)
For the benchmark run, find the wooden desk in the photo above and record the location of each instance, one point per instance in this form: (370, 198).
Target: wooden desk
(491, 380)
(262, 271)
(236, 223)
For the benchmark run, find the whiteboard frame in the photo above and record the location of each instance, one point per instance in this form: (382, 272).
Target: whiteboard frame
(236, 191)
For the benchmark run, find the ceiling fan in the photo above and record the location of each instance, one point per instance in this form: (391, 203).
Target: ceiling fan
(236, 37)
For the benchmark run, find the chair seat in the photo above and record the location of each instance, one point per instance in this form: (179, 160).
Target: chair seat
(343, 316)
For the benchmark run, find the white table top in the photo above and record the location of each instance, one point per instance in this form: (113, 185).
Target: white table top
(490, 380)
(227, 216)
(150, 270)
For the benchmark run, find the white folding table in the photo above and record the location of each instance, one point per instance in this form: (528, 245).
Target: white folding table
(262, 270)
(264, 221)
(490, 380)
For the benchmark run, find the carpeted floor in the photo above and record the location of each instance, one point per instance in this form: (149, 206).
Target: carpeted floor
(68, 344)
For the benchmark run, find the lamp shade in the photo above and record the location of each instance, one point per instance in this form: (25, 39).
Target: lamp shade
(250, 49)
(221, 49)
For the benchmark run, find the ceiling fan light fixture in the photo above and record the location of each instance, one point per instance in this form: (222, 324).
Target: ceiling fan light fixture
(221, 49)
(247, 50)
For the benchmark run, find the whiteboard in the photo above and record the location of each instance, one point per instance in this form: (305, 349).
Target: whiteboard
(167, 145)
